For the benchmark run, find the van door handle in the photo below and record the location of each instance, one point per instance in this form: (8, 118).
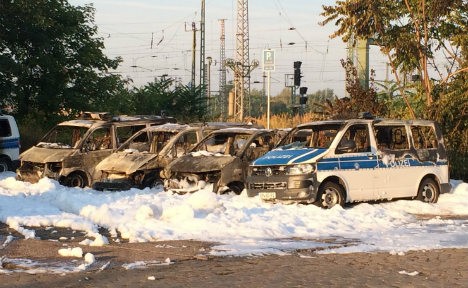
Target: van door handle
(371, 156)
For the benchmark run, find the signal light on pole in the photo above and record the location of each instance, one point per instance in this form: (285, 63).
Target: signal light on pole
(297, 73)
(303, 98)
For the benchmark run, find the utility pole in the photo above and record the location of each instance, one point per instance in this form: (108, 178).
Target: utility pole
(194, 47)
(222, 72)
(202, 51)
(210, 103)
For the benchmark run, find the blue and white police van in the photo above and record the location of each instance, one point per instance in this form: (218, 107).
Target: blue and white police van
(335, 162)
(9, 143)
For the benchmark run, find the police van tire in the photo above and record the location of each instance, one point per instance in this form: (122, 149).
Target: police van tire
(5, 164)
(331, 194)
(428, 191)
(76, 179)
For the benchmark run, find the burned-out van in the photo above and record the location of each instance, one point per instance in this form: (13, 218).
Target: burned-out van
(70, 151)
(337, 161)
(220, 159)
(137, 163)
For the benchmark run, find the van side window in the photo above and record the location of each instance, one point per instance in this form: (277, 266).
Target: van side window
(391, 137)
(185, 143)
(355, 140)
(5, 130)
(140, 143)
(125, 132)
(259, 146)
(100, 139)
(160, 140)
(424, 137)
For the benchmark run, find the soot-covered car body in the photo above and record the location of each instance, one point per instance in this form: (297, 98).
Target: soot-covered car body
(220, 159)
(70, 151)
(137, 163)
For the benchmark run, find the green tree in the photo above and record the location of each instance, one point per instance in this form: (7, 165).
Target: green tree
(412, 33)
(318, 99)
(257, 103)
(51, 62)
(163, 96)
(360, 100)
(284, 96)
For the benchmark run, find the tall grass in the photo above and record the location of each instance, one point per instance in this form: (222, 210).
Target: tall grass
(286, 120)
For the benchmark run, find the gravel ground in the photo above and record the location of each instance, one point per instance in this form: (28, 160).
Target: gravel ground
(188, 264)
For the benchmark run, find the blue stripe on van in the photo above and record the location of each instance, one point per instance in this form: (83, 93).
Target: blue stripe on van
(9, 143)
(313, 153)
(345, 163)
(411, 162)
(363, 162)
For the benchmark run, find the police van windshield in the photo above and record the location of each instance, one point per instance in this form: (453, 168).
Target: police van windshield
(313, 136)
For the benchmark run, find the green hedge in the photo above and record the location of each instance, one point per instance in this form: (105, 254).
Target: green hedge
(458, 165)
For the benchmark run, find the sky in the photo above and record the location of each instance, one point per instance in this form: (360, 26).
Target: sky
(289, 27)
(239, 224)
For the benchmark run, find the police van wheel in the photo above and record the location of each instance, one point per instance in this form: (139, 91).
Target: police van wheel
(76, 180)
(428, 191)
(5, 165)
(331, 194)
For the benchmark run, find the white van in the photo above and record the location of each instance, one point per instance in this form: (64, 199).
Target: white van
(338, 161)
(9, 143)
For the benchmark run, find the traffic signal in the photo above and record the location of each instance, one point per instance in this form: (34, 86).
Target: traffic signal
(303, 98)
(297, 73)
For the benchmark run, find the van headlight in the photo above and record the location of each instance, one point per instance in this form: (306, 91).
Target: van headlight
(300, 169)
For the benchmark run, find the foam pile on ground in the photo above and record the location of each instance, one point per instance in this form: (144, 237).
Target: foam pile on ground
(242, 225)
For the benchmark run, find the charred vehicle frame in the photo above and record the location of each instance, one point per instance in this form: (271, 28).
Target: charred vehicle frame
(137, 163)
(220, 159)
(70, 151)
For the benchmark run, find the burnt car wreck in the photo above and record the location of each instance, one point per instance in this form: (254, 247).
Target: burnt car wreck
(137, 163)
(70, 151)
(220, 159)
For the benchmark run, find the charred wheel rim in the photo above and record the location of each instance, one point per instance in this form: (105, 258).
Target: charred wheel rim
(76, 180)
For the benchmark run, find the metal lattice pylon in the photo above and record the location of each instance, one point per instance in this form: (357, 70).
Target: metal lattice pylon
(222, 72)
(241, 74)
(202, 50)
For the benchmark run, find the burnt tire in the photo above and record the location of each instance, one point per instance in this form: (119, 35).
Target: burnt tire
(331, 194)
(236, 187)
(76, 180)
(153, 182)
(428, 191)
(5, 165)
